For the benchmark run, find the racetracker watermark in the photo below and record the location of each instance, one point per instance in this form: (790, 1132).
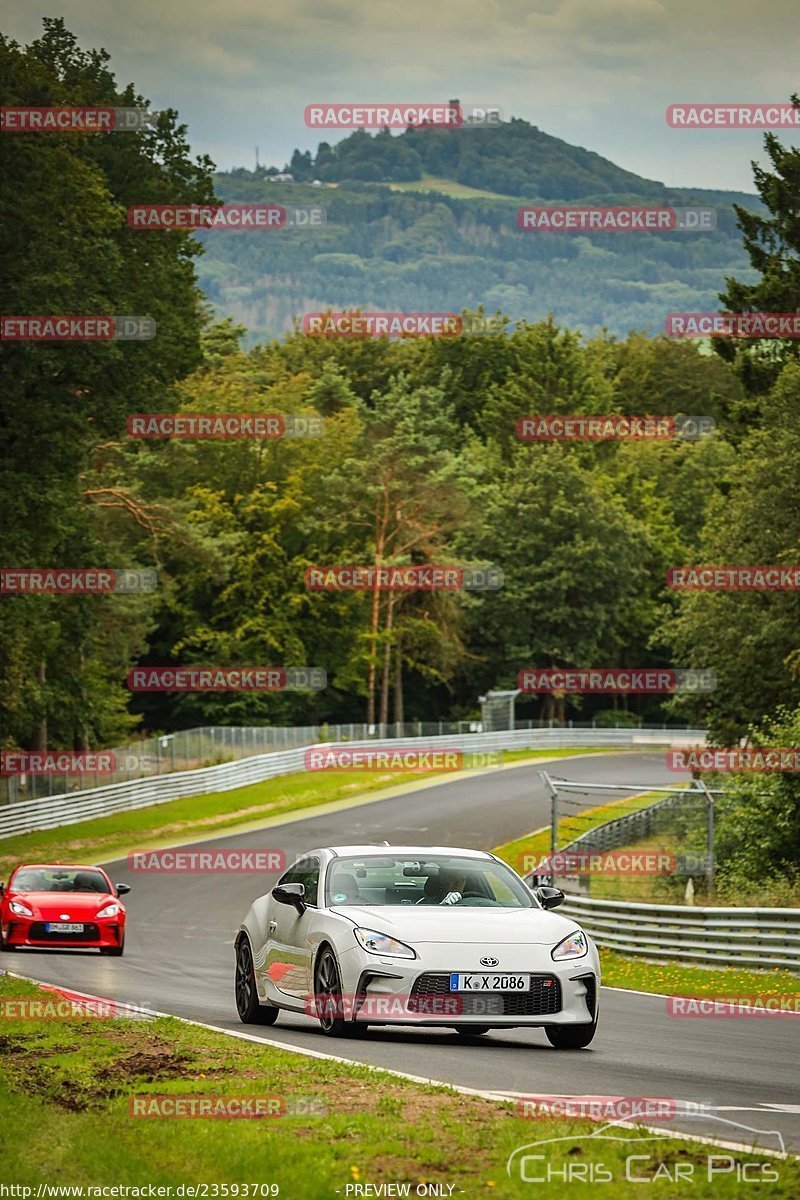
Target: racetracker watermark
(733, 116)
(401, 324)
(66, 1007)
(380, 324)
(417, 760)
(57, 762)
(757, 1005)
(225, 1107)
(599, 1108)
(394, 1006)
(590, 862)
(75, 120)
(614, 427)
(77, 329)
(734, 579)
(393, 115)
(617, 218)
(224, 425)
(381, 115)
(238, 218)
(631, 680)
(206, 862)
(403, 579)
(734, 325)
(227, 679)
(765, 759)
(18, 581)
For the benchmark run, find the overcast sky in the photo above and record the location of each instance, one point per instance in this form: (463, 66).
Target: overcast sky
(597, 73)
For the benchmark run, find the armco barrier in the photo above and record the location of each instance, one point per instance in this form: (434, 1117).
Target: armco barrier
(71, 807)
(747, 937)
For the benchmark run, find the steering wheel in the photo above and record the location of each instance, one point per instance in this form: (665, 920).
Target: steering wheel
(467, 898)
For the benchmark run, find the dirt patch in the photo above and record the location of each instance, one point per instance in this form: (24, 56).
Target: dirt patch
(150, 1064)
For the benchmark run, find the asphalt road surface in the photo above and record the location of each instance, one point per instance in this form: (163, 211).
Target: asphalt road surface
(179, 959)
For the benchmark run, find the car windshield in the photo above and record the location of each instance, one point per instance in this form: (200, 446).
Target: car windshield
(445, 880)
(58, 879)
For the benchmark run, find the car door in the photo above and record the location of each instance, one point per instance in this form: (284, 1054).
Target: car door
(288, 959)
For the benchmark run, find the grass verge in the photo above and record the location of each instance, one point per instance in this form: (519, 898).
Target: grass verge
(642, 974)
(68, 1085)
(523, 852)
(672, 979)
(105, 838)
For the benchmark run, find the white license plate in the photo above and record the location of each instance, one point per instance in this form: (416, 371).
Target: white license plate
(61, 927)
(490, 983)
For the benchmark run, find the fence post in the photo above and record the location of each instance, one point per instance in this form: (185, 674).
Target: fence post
(543, 775)
(710, 863)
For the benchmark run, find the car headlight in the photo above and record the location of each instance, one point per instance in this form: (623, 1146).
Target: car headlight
(20, 908)
(110, 910)
(381, 943)
(574, 945)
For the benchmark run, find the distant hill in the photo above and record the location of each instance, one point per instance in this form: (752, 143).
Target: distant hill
(426, 220)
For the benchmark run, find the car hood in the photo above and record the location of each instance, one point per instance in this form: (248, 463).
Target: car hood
(50, 906)
(442, 923)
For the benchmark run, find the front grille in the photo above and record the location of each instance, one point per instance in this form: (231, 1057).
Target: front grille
(543, 999)
(38, 933)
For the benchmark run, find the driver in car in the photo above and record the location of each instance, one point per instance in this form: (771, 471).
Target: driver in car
(453, 885)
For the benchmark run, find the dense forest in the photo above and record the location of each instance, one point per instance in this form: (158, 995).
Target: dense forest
(427, 219)
(419, 463)
(417, 250)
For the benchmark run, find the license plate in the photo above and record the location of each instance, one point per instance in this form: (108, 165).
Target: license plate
(61, 927)
(490, 983)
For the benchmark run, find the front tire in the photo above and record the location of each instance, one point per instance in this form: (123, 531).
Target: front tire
(329, 1001)
(250, 1011)
(570, 1037)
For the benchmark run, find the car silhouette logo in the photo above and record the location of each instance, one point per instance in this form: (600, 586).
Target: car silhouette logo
(489, 962)
(64, 916)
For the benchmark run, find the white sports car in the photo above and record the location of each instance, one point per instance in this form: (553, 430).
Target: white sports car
(337, 939)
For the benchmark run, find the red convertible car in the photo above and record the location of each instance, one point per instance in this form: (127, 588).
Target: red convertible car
(59, 906)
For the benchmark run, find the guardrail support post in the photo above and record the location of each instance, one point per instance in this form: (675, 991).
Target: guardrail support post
(710, 860)
(548, 783)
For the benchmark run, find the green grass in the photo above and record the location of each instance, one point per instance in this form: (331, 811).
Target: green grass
(66, 1120)
(653, 889)
(637, 974)
(448, 187)
(534, 846)
(671, 889)
(194, 817)
(672, 979)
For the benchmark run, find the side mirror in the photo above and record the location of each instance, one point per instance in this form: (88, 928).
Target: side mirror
(291, 893)
(549, 897)
(122, 889)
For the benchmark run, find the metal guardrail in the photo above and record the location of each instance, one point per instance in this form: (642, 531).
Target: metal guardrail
(747, 937)
(210, 745)
(72, 807)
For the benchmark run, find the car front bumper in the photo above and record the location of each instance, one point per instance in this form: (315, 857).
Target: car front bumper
(22, 933)
(388, 991)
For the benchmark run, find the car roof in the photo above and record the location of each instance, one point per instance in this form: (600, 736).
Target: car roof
(406, 851)
(57, 867)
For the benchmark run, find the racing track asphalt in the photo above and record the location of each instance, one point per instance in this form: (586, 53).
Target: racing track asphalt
(179, 959)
